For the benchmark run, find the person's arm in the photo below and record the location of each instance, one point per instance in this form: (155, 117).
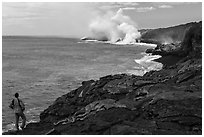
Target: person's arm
(22, 105)
(12, 104)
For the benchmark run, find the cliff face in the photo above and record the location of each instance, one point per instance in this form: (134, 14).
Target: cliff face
(168, 35)
(191, 44)
(168, 101)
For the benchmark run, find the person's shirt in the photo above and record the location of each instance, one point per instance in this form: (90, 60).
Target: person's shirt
(16, 106)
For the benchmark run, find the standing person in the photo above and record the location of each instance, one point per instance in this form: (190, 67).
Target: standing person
(18, 106)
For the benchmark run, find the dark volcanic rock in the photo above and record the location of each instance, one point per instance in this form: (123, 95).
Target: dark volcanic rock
(174, 34)
(167, 102)
(161, 102)
(191, 44)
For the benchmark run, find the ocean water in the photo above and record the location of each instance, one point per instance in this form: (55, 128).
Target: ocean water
(42, 69)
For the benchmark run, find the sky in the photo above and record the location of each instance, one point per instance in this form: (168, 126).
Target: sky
(73, 19)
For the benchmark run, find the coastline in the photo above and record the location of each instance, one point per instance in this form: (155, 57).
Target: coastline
(11, 127)
(120, 43)
(168, 101)
(143, 100)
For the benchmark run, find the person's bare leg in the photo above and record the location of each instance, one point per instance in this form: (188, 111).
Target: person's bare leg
(17, 120)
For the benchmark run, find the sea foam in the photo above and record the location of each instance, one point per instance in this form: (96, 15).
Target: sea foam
(146, 64)
(119, 43)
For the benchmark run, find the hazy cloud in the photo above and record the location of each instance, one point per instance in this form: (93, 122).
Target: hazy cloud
(46, 18)
(24, 10)
(109, 7)
(116, 5)
(171, 4)
(73, 18)
(124, 5)
(144, 9)
(129, 8)
(165, 6)
(127, 3)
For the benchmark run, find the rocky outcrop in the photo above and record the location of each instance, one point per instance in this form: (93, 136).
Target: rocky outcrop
(191, 44)
(174, 34)
(168, 101)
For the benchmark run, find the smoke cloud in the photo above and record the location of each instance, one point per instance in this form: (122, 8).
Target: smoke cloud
(116, 28)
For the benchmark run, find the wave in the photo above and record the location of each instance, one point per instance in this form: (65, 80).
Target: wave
(91, 41)
(146, 64)
(11, 126)
(118, 43)
(137, 44)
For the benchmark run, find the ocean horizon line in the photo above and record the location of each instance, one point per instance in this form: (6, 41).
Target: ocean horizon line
(38, 36)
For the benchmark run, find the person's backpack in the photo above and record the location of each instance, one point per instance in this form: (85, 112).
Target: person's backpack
(22, 106)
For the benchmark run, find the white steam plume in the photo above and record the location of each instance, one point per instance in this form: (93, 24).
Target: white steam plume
(114, 28)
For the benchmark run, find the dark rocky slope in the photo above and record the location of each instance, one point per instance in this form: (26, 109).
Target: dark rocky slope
(168, 101)
(191, 45)
(174, 34)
